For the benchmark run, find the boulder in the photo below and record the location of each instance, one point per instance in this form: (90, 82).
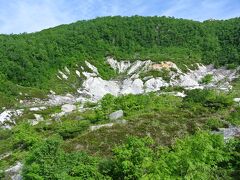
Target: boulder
(116, 115)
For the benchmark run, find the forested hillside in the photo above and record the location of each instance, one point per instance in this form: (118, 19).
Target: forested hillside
(122, 98)
(31, 60)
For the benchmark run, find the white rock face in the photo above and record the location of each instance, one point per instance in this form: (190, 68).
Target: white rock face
(67, 108)
(132, 86)
(95, 87)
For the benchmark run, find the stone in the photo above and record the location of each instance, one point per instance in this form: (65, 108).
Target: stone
(97, 87)
(37, 108)
(93, 68)
(116, 115)
(154, 84)
(64, 76)
(78, 73)
(236, 100)
(38, 118)
(67, 70)
(93, 128)
(120, 67)
(130, 86)
(67, 108)
(230, 132)
(55, 100)
(8, 115)
(14, 172)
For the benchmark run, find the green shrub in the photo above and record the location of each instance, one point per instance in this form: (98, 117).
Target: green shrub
(47, 160)
(214, 124)
(72, 128)
(24, 136)
(132, 160)
(208, 98)
(206, 79)
(234, 116)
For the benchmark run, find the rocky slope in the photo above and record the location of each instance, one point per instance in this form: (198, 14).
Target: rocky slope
(137, 77)
(130, 80)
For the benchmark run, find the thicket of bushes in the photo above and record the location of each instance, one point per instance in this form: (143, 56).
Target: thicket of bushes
(202, 156)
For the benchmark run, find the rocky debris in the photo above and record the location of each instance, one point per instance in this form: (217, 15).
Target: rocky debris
(93, 128)
(131, 86)
(174, 93)
(5, 155)
(230, 132)
(165, 65)
(52, 92)
(67, 108)
(154, 84)
(14, 172)
(37, 108)
(120, 67)
(139, 66)
(116, 115)
(93, 68)
(59, 77)
(67, 70)
(38, 118)
(8, 116)
(55, 100)
(96, 87)
(57, 116)
(64, 76)
(180, 94)
(78, 73)
(236, 100)
(120, 121)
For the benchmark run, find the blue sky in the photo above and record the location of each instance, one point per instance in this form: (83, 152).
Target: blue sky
(17, 16)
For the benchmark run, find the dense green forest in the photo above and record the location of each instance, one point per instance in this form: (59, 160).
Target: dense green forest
(32, 60)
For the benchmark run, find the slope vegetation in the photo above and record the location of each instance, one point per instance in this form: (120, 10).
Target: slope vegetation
(32, 60)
